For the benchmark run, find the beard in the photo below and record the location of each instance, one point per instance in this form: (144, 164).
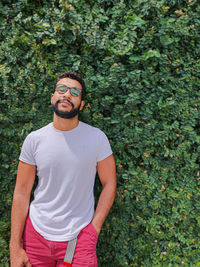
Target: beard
(65, 114)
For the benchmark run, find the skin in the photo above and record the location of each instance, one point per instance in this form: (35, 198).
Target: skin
(26, 177)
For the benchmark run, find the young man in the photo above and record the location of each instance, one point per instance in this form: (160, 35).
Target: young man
(65, 155)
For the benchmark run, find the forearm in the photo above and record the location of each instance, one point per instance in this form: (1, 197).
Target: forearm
(19, 213)
(104, 205)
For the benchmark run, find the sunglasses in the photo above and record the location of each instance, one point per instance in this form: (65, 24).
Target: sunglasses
(62, 89)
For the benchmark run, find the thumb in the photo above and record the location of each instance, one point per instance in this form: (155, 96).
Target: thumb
(28, 264)
(26, 260)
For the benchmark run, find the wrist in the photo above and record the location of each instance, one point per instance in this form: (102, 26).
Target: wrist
(97, 226)
(15, 245)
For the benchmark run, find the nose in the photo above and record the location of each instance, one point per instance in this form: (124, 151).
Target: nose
(67, 94)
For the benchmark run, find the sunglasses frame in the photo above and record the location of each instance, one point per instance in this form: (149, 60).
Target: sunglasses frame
(73, 90)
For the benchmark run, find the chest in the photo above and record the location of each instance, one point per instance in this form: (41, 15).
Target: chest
(65, 152)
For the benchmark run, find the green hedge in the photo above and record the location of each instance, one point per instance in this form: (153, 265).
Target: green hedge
(141, 63)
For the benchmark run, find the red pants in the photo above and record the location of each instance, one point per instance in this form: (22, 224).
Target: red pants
(45, 253)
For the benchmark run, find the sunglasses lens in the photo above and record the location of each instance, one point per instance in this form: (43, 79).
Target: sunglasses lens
(61, 89)
(75, 92)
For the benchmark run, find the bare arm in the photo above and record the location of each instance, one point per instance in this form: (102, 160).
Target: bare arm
(21, 198)
(107, 175)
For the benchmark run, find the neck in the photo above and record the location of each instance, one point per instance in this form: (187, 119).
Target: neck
(65, 124)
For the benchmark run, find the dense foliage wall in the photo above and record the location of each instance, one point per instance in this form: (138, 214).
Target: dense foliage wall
(141, 63)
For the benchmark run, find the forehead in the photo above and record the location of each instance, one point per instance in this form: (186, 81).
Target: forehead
(70, 82)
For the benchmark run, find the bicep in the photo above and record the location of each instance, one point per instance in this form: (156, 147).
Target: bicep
(107, 170)
(25, 178)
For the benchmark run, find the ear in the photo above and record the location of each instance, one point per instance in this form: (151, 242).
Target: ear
(52, 97)
(82, 104)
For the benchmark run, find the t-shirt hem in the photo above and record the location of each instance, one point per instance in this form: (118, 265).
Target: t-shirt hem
(104, 157)
(26, 161)
(56, 238)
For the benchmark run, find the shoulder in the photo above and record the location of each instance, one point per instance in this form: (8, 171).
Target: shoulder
(90, 129)
(37, 134)
(44, 130)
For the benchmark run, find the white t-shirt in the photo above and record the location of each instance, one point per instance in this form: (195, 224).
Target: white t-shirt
(66, 168)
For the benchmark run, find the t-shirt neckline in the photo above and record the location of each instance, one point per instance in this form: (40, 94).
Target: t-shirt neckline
(66, 132)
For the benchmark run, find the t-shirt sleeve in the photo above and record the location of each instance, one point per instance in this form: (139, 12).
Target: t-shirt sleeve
(27, 152)
(104, 148)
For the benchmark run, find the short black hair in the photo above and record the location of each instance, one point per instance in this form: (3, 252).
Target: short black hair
(74, 76)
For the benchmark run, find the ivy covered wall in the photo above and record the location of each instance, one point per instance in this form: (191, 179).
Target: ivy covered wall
(141, 63)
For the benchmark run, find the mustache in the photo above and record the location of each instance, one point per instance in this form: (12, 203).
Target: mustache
(58, 101)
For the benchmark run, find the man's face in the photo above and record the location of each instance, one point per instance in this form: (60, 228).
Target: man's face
(64, 104)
